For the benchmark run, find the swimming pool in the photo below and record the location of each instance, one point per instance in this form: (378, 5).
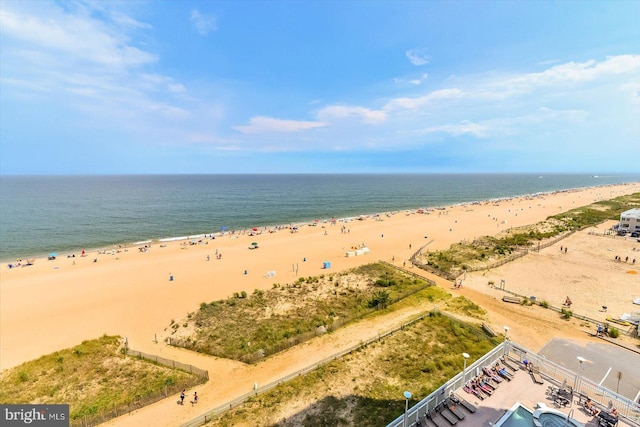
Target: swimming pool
(520, 416)
(517, 416)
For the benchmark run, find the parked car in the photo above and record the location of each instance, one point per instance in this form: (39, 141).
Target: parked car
(635, 234)
(622, 232)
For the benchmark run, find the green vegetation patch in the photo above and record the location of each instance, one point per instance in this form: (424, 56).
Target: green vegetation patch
(248, 327)
(365, 387)
(465, 306)
(93, 377)
(597, 212)
(489, 250)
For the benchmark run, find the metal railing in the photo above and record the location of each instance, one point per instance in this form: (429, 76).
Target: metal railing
(420, 409)
(558, 374)
(551, 371)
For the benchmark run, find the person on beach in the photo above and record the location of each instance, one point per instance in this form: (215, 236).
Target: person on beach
(568, 302)
(195, 398)
(182, 395)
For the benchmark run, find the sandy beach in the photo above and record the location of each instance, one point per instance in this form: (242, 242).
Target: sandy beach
(56, 304)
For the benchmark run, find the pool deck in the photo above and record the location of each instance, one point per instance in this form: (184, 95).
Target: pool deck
(520, 389)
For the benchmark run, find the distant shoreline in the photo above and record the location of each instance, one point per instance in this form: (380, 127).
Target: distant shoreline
(310, 222)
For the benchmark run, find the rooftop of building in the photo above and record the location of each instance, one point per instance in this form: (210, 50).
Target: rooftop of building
(521, 388)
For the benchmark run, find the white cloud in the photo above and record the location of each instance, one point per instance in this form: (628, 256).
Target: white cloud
(572, 73)
(82, 57)
(419, 80)
(204, 23)
(418, 56)
(341, 112)
(465, 127)
(85, 38)
(419, 101)
(261, 124)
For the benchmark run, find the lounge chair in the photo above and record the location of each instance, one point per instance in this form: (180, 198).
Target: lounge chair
(435, 419)
(506, 362)
(448, 415)
(535, 375)
(468, 406)
(455, 410)
(473, 392)
(502, 371)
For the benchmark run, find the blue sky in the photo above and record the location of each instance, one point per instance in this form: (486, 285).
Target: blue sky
(302, 86)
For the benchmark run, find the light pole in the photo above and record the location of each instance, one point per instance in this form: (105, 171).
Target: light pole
(580, 359)
(407, 396)
(506, 331)
(464, 369)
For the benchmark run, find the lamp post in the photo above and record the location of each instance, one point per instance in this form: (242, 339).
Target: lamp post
(580, 359)
(506, 331)
(407, 396)
(464, 369)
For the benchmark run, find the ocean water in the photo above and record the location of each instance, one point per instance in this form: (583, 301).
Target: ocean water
(42, 214)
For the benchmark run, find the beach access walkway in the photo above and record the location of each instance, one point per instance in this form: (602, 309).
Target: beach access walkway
(231, 380)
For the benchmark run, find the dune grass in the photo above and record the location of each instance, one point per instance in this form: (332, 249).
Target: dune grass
(92, 378)
(365, 387)
(489, 249)
(247, 327)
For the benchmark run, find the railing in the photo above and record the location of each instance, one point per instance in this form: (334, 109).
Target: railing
(601, 395)
(420, 409)
(551, 371)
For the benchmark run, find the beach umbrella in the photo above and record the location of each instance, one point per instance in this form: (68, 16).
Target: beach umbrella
(223, 228)
(255, 228)
(254, 243)
(53, 254)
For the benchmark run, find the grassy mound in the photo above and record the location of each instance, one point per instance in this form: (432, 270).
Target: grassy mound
(488, 250)
(93, 377)
(248, 327)
(365, 387)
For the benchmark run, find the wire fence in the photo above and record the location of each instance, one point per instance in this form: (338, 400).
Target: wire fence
(632, 330)
(308, 335)
(199, 377)
(213, 413)
(174, 364)
(452, 275)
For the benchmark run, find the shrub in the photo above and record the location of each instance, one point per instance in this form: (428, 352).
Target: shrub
(544, 304)
(614, 332)
(379, 299)
(566, 314)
